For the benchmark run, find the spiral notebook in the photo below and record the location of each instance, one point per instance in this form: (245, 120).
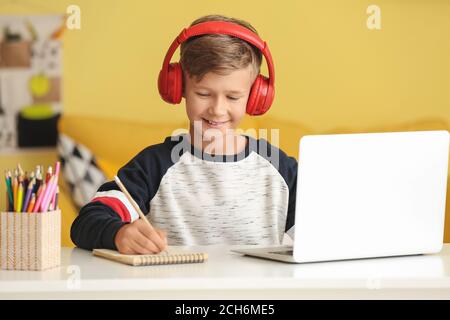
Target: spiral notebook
(171, 257)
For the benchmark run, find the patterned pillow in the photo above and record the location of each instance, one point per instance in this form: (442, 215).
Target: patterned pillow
(79, 169)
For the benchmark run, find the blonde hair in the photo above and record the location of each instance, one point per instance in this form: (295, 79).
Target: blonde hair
(218, 53)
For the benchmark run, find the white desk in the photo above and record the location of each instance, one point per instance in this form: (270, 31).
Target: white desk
(231, 276)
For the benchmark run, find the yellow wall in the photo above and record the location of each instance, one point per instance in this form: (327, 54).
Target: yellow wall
(331, 70)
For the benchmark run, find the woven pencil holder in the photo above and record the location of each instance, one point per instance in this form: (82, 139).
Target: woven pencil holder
(30, 241)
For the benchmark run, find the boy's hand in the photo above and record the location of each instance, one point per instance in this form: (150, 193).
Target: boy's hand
(138, 238)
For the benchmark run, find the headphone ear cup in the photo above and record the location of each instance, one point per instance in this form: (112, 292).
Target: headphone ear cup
(259, 100)
(170, 84)
(251, 102)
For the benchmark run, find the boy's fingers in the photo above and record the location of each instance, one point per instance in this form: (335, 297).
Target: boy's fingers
(154, 236)
(160, 243)
(139, 249)
(144, 242)
(126, 250)
(163, 235)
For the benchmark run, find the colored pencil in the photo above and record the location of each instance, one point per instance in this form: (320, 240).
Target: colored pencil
(28, 195)
(26, 181)
(19, 197)
(56, 197)
(49, 174)
(51, 188)
(30, 178)
(46, 197)
(9, 191)
(30, 191)
(57, 169)
(20, 169)
(40, 195)
(52, 203)
(20, 193)
(31, 204)
(38, 182)
(15, 187)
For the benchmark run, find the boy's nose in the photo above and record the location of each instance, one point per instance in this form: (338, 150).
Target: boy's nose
(218, 108)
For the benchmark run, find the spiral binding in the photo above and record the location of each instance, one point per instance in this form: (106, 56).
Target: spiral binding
(171, 259)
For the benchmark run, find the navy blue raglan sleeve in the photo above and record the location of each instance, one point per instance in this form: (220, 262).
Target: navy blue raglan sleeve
(289, 169)
(99, 220)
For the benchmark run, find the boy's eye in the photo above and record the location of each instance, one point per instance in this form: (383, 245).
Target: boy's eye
(202, 94)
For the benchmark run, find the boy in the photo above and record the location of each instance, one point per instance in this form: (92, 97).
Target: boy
(211, 186)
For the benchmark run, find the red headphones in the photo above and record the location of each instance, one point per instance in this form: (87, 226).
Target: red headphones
(170, 80)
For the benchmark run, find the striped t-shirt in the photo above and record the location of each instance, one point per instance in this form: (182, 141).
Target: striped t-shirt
(197, 198)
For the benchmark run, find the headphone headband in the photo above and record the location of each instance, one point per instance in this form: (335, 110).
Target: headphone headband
(222, 27)
(170, 79)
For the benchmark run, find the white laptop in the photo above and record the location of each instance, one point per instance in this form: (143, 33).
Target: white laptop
(367, 195)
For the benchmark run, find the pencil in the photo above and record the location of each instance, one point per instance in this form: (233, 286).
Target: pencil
(53, 202)
(39, 197)
(134, 204)
(51, 187)
(56, 197)
(49, 174)
(19, 167)
(38, 181)
(31, 177)
(15, 186)
(9, 190)
(57, 169)
(19, 197)
(28, 195)
(31, 204)
(26, 181)
(20, 193)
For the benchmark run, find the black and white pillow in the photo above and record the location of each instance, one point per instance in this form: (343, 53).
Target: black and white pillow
(80, 170)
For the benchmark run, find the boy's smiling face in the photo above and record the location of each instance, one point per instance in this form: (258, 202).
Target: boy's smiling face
(218, 101)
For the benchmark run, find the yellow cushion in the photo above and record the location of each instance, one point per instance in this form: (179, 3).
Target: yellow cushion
(115, 139)
(109, 168)
(68, 214)
(289, 133)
